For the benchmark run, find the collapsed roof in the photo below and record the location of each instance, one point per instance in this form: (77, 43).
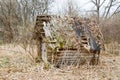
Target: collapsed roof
(68, 32)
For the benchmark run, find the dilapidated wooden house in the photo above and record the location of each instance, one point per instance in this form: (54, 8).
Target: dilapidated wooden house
(67, 40)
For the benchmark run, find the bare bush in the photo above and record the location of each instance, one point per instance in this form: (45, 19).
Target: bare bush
(111, 29)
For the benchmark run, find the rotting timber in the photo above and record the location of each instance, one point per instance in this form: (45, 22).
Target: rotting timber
(85, 37)
(39, 34)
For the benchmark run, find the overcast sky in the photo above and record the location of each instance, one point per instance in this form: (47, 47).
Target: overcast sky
(82, 4)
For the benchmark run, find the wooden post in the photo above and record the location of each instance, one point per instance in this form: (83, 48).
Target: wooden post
(39, 34)
(39, 50)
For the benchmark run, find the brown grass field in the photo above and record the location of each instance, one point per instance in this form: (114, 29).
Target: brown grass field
(16, 64)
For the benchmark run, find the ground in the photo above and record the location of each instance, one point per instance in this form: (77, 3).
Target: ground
(16, 65)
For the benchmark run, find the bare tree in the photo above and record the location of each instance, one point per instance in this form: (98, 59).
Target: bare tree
(20, 12)
(8, 18)
(104, 8)
(112, 4)
(97, 5)
(107, 12)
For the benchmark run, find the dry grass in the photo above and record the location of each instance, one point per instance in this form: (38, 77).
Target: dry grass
(15, 64)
